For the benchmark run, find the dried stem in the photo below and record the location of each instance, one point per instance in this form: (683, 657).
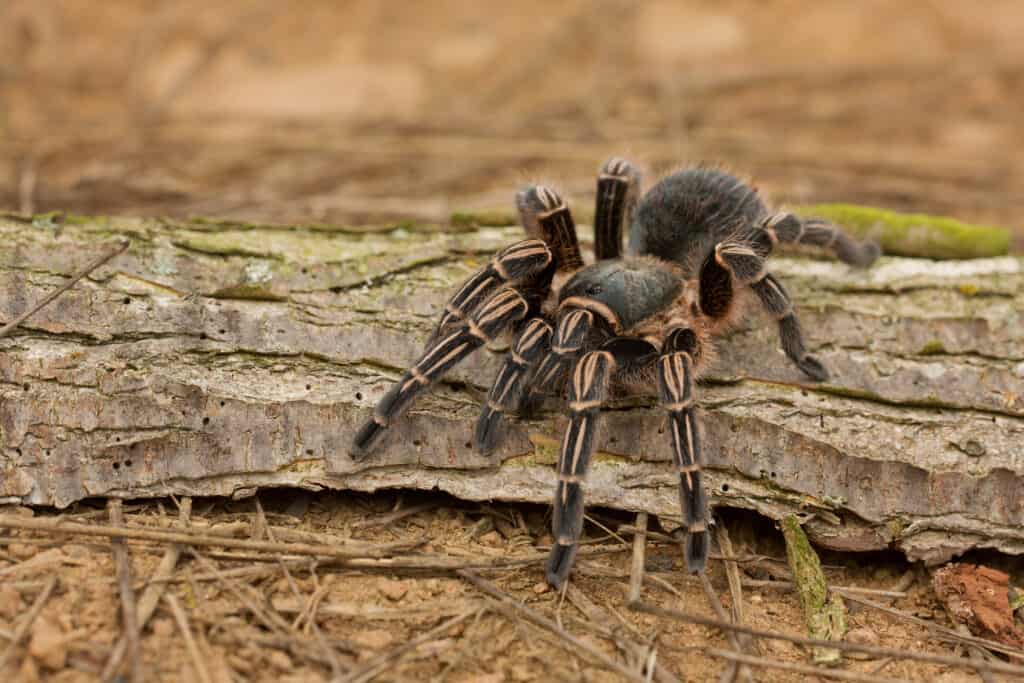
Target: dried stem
(378, 664)
(576, 646)
(636, 572)
(764, 662)
(11, 326)
(186, 633)
(129, 613)
(22, 630)
(900, 654)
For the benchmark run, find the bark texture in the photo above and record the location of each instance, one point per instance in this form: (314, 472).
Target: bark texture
(214, 359)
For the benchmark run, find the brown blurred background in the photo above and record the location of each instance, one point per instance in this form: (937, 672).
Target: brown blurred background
(359, 111)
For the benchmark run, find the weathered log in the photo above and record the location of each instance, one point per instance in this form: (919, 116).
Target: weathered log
(215, 359)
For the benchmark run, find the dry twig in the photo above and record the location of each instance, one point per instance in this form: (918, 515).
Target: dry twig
(378, 664)
(509, 604)
(805, 669)
(190, 642)
(129, 614)
(902, 654)
(151, 596)
(636, 572)
(26, 623)
(11, 326)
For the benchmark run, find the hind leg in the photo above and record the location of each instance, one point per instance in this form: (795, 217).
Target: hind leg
(789, 228)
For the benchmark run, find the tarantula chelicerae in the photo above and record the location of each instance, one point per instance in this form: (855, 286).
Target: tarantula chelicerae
(698, 242)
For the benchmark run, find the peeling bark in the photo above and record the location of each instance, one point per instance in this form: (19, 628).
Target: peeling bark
(214, 359)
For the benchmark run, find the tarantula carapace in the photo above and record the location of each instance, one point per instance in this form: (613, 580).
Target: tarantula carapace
(698, 241)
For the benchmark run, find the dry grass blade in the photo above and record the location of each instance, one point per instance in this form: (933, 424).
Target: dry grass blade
(378, 664)
(734, 641)
(805, 669)
(190, 643)
(597, 619)
(331, 655)
(58, 525)
(151, 596)
(11, 326)
(22, 630)
(976, 654)
(508, 603)
(129, 614)
(392, 517)
(947, 633)
(895, 653)
(367, 557)
(789, 586)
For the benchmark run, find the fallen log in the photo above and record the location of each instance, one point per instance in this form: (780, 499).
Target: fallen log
(220, 358)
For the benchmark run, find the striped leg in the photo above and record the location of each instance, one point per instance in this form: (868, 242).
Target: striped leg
(618, 184)
(494, 317)
(587, 392)
(748, 268)
(523, 262)
(676, 387)
(572, 332)
(545, 214)
(785, 227)
(531, 345)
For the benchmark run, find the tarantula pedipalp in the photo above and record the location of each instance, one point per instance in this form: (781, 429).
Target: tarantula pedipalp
(698, 242)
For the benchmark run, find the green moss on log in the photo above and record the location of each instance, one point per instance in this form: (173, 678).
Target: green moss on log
(900, 234)
(825, 615)
(915, 234)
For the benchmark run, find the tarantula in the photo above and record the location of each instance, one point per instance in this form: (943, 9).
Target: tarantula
(698, 241)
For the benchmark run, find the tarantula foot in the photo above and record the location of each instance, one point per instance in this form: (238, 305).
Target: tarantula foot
(869, 253)
(488, 431)
(813, 368)
(559, 563)
(695, 551)
(366, 438)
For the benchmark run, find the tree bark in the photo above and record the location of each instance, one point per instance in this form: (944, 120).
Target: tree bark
(215, 359)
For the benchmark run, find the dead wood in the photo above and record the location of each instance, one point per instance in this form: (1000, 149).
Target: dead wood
(215, 359)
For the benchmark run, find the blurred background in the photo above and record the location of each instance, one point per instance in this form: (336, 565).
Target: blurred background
(366, 111)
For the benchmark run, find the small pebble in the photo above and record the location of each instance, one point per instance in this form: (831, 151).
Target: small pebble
(22, 551)
(862, 636)
(541, 587)
(11, 604)
(492, 538)
(279, 660)
(392, 590)
(163, 628)
(48, 645)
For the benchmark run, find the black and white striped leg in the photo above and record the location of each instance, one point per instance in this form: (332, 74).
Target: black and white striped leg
(499, 312)
(786, 227)
(618, 184)
(544, 214)
(774, 298)
(531, 345)
(748, 268)
(527, 262)
(676, 388)
(573, 333)
(588, 390)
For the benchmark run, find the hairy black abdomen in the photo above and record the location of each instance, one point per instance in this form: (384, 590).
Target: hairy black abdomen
(682, 217)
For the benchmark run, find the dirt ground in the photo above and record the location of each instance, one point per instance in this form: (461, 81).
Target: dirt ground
(250, 623)
(376, 112)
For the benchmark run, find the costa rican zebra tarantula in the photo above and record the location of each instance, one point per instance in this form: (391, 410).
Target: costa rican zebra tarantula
(698, 241)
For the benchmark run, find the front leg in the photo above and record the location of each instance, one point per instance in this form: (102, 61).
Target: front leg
(587, 393)
(676, 388)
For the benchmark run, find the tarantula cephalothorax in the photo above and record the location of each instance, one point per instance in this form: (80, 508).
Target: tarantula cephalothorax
(697, 246)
